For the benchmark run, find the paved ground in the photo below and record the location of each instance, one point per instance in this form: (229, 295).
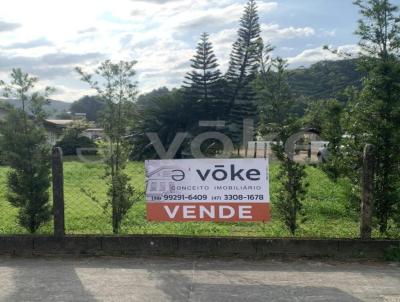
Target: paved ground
(164, 279)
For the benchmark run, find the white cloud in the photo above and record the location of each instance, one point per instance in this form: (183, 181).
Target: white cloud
(8, 26)
(49, 38)
(314, 55)
(274, 32)
(285, 48)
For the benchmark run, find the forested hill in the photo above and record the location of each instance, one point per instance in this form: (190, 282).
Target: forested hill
(322, 80)
(53, 108)
(325, 79)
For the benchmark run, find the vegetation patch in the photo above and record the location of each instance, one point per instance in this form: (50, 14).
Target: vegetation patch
(327, 214)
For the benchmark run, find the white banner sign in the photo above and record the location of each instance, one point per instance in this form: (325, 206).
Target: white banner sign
(207, 190)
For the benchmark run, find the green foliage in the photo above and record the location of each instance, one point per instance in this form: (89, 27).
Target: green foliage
(373, 114)
(325, 116)
(325, 205)
(145, 97)
(273, 94)
(25, 148)
(166, 115)
(203, 82)
(91, 105)
(73, 141)
(378, 28)
(292, 192)
(243, 66)
(275, 103)
(115, 85)
(71, 145)
(324, 80)
(291, 176)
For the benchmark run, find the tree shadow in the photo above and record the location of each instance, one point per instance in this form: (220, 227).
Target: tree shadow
(179, 283)
(180, 288)
(43, 280)
(175, 279)
(262, 293)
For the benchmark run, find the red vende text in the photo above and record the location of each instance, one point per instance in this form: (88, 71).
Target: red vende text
(162, 211)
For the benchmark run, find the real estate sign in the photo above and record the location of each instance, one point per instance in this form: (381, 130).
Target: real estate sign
(207, 190)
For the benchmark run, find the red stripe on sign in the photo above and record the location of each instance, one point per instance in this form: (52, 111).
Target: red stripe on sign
(165, 211)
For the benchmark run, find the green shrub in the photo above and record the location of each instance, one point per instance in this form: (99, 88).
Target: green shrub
(72, 144)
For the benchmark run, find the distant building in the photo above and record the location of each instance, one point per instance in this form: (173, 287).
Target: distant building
(55, 129)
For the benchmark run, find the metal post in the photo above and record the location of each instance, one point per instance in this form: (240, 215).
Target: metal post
(58, 191)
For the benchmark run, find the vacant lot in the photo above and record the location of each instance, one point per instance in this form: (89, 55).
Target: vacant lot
(327, 211)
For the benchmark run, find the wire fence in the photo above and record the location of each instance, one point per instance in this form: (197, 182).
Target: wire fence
(87, 210)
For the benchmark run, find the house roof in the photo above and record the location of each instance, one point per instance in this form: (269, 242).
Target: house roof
(60, 123)
(57, 123)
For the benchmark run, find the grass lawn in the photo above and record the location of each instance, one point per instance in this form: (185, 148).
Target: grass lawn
(328, 214)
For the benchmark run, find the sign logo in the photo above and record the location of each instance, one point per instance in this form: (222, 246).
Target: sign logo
(207, 190)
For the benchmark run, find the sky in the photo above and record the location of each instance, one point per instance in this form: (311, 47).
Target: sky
(49, 38)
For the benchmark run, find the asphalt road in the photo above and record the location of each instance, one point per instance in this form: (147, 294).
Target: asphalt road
(165, 279)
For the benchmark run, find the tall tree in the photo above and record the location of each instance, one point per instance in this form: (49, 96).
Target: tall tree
(243, 65)
(373, 114)
(24, 142)
(203, 82)
(275, 104)
(115, 84)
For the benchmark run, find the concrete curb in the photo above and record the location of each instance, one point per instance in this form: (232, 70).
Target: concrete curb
(182, 246)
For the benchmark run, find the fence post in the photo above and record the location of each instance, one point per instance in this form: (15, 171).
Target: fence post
(309, 151)
(367, 202)
(58, 191)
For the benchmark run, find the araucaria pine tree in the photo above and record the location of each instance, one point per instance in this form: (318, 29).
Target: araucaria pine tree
(243, 65)
(373, 115)
(23, 141)
(115, 84)
(202, 84)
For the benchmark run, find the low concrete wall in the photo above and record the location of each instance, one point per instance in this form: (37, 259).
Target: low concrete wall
(193, 246)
